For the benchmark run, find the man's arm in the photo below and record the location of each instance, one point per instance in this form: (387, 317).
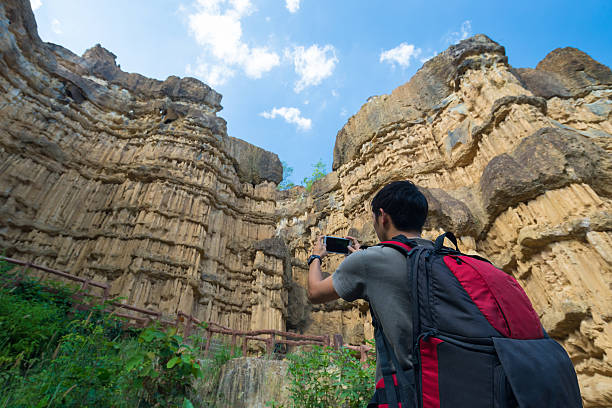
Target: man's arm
(320, 290)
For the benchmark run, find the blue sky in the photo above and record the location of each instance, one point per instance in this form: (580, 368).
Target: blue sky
(292, 72)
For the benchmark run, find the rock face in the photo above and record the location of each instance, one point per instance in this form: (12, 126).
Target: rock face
(134, 181)
(251, 382)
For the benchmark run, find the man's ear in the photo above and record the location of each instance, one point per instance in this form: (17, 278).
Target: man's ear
(384, 218)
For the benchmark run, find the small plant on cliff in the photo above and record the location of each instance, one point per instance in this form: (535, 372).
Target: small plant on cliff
(319, 171)
(286, 184)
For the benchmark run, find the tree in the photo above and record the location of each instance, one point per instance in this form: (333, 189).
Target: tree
(318, 173)
(286, 184)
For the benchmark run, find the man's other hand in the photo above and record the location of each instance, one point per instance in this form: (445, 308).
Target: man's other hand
(354, 246)
(319, 247)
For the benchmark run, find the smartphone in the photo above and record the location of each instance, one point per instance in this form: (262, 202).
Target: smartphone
(336, 245)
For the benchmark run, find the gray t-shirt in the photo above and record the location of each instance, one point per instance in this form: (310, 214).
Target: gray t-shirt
(379, 275)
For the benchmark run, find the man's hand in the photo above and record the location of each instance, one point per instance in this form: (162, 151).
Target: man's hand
(320, 290)
(354, 245)
(320, 248)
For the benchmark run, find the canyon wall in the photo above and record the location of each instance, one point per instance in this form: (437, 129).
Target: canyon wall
(135, 182)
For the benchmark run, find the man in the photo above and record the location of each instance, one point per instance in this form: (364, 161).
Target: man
(378, 274)
(471, 309)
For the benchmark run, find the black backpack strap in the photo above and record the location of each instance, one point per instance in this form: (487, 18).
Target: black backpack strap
(440, 241)
(386, 356)
(413, 269)
(413, 255)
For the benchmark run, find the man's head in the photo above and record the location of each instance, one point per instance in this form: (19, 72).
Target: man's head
(399, 207)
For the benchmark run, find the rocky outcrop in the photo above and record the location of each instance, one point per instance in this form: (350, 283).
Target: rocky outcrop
(250, 382)
(133, 181)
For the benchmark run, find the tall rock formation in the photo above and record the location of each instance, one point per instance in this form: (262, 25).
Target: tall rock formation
(135, 182)
(132, 181)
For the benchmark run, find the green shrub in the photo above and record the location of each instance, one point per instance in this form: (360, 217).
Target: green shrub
(286, 184)
(163, 366)
(319, 171)
(324, 377)
(86, 371)
(54, 356)
(27, 328)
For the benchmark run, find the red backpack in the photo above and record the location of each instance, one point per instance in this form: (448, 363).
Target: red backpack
(477, 341)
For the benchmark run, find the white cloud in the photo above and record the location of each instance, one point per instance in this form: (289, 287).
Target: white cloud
(292, 5)
(35, 4)
(291, 115)
(213, 75)
(334, 93)
(56, 26)
(259, 62)
(464, 32)
(402, 54)
(217, 27)
(344, 113)
(313, 64)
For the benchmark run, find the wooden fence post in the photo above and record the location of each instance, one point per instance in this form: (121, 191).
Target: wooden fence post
(245, 346)
(233, 345)
(270, 344)
(208, 340)
(338, 341)
(106, 294)
(188, 326)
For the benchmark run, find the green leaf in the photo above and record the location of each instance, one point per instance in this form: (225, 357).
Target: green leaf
(146, 336)
(133, 362)
(173, 361)
(187, 403)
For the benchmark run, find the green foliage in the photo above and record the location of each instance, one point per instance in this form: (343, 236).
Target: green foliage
(85, 372)
(325, 377)
(319, 171)
(31, 323)
(54, 356)
(163, 366)
(286, 184)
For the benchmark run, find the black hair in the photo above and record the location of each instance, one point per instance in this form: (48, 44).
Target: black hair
(404, 203)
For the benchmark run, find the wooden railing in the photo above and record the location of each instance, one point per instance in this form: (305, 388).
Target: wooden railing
(269, 337)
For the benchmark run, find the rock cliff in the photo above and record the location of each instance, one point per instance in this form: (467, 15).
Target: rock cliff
(134, 181)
